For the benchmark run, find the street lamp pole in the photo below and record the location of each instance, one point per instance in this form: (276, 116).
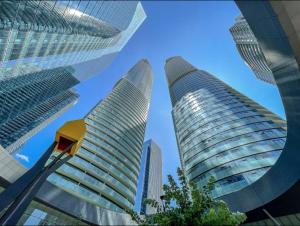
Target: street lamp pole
(19, 194)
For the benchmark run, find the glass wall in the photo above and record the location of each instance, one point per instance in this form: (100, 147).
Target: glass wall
(250, 50)
(37, 35)
(106, 168)
(222, 133)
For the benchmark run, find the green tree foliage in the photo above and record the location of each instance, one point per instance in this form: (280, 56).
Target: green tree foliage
(185, 204)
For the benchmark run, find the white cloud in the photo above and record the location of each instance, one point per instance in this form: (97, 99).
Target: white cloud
(22, 157)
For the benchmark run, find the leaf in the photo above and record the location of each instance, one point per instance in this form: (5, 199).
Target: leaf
(186, 204)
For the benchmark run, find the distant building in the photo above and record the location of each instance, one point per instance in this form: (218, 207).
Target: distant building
(48, 47)
(250, 50)
(219, 131)
(105, 170)
(150, 176)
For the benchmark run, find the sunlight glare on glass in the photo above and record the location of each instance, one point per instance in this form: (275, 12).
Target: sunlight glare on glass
(75, 12)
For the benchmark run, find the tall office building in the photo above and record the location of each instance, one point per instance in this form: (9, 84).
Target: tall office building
(250, 50)
(39, 35)
(105, 170)
(15, 132)
(39, 40)
(150, 179)
(219, 131)
(30, 102)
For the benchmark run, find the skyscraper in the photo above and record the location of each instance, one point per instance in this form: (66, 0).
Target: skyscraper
(38, 35)
(105, 169)
(250, 51)
(150, 179)
(219, 131)
(15, 132)
(30, 102)
(39, 40)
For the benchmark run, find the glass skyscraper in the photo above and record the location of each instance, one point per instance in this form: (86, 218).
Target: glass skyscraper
(105, 170)
(150, 179)
(28, 103)
(15, 132)
(38, 35)
(250, 50)
(48, 47)
(219, 131)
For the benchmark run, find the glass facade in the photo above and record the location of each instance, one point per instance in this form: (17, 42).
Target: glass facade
(39, 40)
(26, 101)
(219, 131)
(16, 131)
(18, 95)
(37, 35)
(150, 179)
(250, 50)
(39, 214)
(105, 169)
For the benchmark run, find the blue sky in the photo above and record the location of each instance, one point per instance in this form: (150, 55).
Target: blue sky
(197, 31)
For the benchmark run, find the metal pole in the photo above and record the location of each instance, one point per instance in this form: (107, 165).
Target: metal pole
(16, 188)
(20, 204)
(272, 218)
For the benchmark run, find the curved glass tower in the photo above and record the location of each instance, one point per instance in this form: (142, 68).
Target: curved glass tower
(105, 169)
(250, 51)
(219, 131)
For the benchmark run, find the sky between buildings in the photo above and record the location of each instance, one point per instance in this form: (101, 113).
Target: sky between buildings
(196, 30)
